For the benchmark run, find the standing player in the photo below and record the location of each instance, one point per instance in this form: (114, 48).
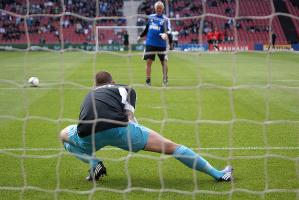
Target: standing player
(210, 38)
(107, 118)
(175, 38)
(156, 32)
(216, 38)
(126, 40)
(273, 41)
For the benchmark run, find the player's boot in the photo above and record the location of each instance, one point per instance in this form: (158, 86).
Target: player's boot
(227, 174)
(165, 81)
(148, 82)
(96, 172)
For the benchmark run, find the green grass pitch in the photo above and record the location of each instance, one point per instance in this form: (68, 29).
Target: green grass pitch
(231, 108)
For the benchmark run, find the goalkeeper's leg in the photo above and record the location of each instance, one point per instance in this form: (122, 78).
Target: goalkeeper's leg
(74, 144)
(71, 143)
(159, 144)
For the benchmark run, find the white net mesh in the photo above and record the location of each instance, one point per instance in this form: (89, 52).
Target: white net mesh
(62, 23)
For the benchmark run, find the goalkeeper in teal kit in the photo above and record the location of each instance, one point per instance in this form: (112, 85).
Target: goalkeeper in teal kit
(157, 32)
(107, 119)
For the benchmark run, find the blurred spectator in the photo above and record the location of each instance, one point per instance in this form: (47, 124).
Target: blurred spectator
(238, 25)
(2, 30)
(66, 23)
(228, 11)
(56, 33)
(212, 3)
(12, 28)
(79, 28)
(85, 31)
(229, 23)
(175, 37)
(126, 40)
(42, 41)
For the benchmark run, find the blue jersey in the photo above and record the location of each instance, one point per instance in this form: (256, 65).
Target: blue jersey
(157, 24)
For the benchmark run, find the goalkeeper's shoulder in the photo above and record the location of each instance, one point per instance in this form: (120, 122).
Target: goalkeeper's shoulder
(127, 87)
(123, 85)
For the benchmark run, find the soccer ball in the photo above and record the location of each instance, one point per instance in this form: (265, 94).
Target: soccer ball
(33, 81)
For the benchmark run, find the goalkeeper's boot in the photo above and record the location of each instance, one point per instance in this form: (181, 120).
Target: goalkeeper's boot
(148, 82)
(96, 172)
(227, 174)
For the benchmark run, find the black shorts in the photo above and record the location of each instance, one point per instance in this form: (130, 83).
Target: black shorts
(155, 49)
(215, 42)
(210, 41)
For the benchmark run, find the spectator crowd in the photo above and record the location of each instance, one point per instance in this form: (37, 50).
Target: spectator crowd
(12, 27)
(191, 29)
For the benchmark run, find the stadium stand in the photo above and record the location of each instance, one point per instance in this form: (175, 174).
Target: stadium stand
(293, 8)
(47, 29)
(248, 30)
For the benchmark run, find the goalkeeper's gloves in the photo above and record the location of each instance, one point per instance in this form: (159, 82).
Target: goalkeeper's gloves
(164, 36)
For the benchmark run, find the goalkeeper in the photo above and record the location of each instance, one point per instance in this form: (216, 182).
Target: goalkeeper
(157, 31)
(107, 118)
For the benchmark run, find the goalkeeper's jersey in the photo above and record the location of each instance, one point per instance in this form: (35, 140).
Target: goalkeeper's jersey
(105, 108)
(157, 24)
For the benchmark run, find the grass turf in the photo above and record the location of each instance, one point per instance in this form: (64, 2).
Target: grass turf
(230, 106)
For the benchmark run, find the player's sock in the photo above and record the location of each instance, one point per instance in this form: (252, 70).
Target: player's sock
(165, 81)
(80, 155)
(194, 161)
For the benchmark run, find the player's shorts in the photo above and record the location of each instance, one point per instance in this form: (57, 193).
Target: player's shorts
(210, 41)
(215, 42)
(149, 48)
(131, 138)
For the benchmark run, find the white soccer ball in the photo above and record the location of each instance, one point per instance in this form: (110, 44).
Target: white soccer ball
(33, 81)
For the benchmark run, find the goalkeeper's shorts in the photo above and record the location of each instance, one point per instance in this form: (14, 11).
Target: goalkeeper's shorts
(131, 138)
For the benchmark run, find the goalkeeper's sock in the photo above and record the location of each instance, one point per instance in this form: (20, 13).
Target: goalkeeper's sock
(85, 157)
(194, 161)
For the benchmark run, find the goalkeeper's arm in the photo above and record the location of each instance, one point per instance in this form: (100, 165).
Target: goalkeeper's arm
(131, 116)
(130, 105)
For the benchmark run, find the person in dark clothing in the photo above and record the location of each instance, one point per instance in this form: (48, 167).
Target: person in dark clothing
(126, 40)
(273, 41)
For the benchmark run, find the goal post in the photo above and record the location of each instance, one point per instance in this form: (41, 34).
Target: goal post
(116, 35)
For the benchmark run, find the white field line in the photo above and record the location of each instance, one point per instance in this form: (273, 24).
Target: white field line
(204, 148)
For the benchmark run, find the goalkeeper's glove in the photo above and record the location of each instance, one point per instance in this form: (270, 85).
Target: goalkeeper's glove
(164, 36)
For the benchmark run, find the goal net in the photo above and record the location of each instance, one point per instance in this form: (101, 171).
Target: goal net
(233, 100)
